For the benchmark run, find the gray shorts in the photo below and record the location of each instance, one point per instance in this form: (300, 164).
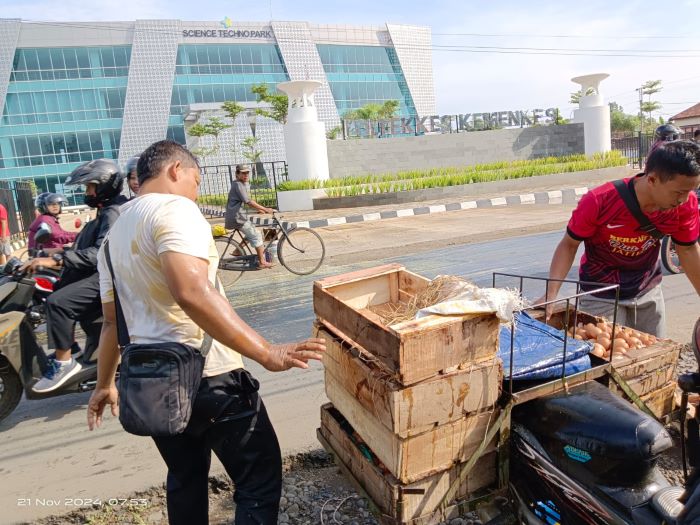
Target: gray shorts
(251, 234)
(645, 313)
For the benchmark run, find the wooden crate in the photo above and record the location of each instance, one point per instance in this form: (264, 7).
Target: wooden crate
(650, 381)
(649, 371)
(416, 456)
(413, 350)
(411, 410)
(661, 401)
(400, 503)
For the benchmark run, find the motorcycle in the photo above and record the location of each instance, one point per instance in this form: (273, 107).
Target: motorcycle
(22, 357)
(588, 457)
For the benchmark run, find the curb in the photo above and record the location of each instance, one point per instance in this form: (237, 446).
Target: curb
(565, 196)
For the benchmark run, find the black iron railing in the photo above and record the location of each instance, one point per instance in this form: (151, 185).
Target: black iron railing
(217, 180)
(636, 147)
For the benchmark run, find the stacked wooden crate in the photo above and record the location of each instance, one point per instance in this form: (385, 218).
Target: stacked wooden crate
(412, 402)
(650, 371)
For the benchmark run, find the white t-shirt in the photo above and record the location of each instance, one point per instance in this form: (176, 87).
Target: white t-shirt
(147, 227)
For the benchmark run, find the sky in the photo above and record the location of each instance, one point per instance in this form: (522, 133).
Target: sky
(541, 44)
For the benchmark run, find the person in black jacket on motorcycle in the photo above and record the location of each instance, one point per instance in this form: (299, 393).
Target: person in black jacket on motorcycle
(77, 297)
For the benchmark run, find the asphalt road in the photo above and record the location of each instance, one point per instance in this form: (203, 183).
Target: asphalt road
(47, 456)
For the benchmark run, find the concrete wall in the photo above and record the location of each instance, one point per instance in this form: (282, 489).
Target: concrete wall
(360, 156)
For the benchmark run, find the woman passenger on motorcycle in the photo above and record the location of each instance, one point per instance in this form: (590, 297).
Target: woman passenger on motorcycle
(132, 178)
(49, 205)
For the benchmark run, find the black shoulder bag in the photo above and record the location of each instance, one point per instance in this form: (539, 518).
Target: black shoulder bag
(158, 382)
(630, 201)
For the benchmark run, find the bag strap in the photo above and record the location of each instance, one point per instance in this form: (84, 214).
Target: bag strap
(123, 330)
(632, 204)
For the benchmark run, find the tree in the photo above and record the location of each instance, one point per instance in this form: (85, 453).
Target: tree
(389, 109)
(212, 128)
(620, 122)
(559, 120)
(252, 153)
(649, 88)
(374, 111)
(279, 102)
(575, 97)
(232, 110)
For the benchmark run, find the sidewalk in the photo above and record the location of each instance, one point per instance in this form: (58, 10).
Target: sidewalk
(537, 193)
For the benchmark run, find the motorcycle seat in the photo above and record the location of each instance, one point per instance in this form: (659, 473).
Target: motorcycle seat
(665, 503)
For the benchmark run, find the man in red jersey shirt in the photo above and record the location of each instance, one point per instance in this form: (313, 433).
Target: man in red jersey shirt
(618, 252)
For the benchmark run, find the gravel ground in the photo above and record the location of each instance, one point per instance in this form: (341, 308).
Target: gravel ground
(314, 492)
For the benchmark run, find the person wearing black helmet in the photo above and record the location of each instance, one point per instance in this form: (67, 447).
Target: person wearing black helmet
(49, 205)
(132, 177)
(77, 297)
(664, 133)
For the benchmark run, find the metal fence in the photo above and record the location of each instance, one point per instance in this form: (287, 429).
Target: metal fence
(636, 147)
(18, 199)
(217, 180)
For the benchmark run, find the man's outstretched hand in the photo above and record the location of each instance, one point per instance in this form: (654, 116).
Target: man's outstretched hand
(295, 355)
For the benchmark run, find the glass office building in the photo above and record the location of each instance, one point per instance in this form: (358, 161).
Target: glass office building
(72, 92)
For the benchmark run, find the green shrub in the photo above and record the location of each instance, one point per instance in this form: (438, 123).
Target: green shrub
(455, 176)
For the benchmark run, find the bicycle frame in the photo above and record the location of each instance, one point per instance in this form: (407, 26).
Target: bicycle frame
(238, 237)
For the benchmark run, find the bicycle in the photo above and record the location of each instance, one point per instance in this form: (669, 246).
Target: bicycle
(299, 249)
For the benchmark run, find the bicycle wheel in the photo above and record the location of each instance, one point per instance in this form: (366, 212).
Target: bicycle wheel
(229, 253)
(669, 257)
(302, 252)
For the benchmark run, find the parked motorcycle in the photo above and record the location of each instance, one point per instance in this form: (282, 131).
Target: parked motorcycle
(588, 457)
(22, 357)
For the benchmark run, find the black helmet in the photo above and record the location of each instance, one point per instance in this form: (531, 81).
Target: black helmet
(105, 174)
(131, 165)
(667, 132)
(44, 199)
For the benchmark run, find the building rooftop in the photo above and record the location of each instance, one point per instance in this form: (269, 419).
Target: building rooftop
(693, 111)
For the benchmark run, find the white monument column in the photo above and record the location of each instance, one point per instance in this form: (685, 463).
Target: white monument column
(594, 113)
(304, 134)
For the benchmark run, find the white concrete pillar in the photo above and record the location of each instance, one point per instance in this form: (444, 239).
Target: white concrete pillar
(594, 113)
(304, 134)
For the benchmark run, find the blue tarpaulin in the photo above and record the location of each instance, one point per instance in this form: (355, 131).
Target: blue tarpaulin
(538, 350)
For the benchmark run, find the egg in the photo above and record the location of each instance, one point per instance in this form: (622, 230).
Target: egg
(604, 341)
(598, 350)
(620, 344)
(594, 333)
(634, 342)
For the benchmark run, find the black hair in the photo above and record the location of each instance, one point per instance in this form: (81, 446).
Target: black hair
(680, 157)
(157, 155)
(696, 133)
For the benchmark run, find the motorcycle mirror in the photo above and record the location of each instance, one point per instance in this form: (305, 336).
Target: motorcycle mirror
(43, 234)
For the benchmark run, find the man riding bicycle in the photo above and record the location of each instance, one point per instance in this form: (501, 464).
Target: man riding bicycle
(236, 217)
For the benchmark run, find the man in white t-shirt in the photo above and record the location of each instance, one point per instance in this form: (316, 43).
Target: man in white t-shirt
(165, 263)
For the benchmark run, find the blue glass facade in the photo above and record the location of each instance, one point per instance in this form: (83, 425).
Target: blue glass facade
(217, 73)
(65, 102)
(64, 106)
(360, 75)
